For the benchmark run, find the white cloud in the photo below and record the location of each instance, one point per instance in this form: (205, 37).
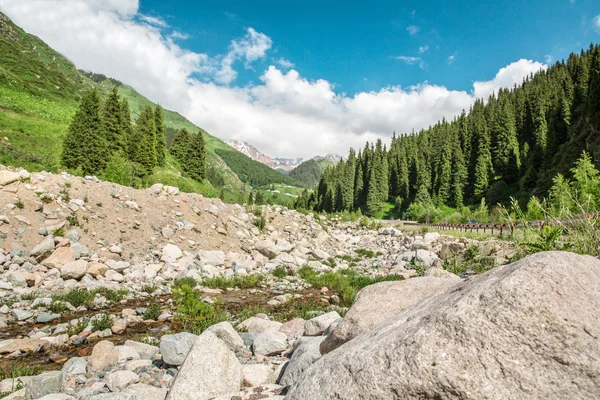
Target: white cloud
(154, 21)
(412, 61)
(596, 22)
(451, 59)
(548, 59)
(413, 29)
(507, 77)
(284, 63)
(284, 114)
(179, 35)
(423, 49)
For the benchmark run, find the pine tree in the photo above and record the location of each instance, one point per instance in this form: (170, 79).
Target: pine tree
(85, 146)
(127, 129)
(145, 135)
(196, 158)
(112, 123)
(348, 182)
(161, 139)
(179, 147)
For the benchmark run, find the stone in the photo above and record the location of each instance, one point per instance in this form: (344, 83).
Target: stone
(21, 315)
(44, 317)
(74, 366)
(146, 351)
(17, 279)
(269, 343)
(524, 330)
(119, 380)
(146, 392)
(293, 329)
(43, 249)
(44, 384)
(317, 325)
(225, 332)
(74, 269)
(378, 302)
(126, 353)
(116, 249)
(102, 356)
(22, 345)
(118, 327)
(257, 374)
(174, 348)
(8, 177)
(425, 257)
(209, 370)
(60, 257)
(212, 257)
(259, 325)
(304, 355)
(97, 269)
(114, 276)
(172, 251)
(167, 232)
(57, 396)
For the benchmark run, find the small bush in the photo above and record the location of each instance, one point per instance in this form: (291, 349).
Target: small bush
(112, 295)
(367, 253)
(72, 220)
(178, 283)
(153, 312)
(57, 307)
(102, 322)
(76, 297)
(260, 223)
(19, 204)
(19, 370)
(194, 314)
(78, 327)
(150, 288)
(282, 271)
(60, 232)
(242, 282)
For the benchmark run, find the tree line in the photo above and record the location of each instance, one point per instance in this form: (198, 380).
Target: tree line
(103, 140)
(512, 145)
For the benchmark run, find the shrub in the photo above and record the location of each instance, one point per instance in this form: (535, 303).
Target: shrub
(102, 322)
(150, 288)
(194, 314)
(78, 327)
(77, 297)
(19, 204)
(153, 312)
(242, 282)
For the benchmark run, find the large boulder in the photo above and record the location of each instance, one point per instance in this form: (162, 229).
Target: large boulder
(379, 302)
(61, 256)
(269, 343)
(102, 356)
(317, 325)
(210, 369)
(305, 355)
(74, 269)
(525, 330)
(227, 334)
(174, 348)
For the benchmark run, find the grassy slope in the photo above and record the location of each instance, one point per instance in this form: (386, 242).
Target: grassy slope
(39, 92)
(309, 172)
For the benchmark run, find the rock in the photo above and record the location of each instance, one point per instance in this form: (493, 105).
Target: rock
(118, 327)
(126, 353)
(167, 232)
(214, 257)
(60, 257)
(22, 345)
(114, 276)
(44, 384)
(259, 325)
(524, 330)
(44, 248)
(378, 302)
(317, 325)
(425, 257)
(269, 343)
(146, 392)
(103, 355)
(44, 317)
(116, 249)
(74, 366)
(20, 315)
(257, 374)
(116, 396)
(57, 396)
(305, 354)
(209, 370)
(17, 279)
(119, 380)
(97, 269)
(146, 351)
(293, 329)
(74, 269)
(8, 177)
(225, 332)
(431, 237)
(174, 348)
(172, 251)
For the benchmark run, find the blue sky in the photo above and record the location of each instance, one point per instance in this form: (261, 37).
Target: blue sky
(355, 46)
(310, 78)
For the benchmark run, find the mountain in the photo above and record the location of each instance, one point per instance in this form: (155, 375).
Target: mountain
(39, 94)
(309, 172)
(284, 164)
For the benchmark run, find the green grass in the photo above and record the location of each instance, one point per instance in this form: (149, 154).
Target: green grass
(194, 314)
(19, 370)
(81, 297)
(346, 283)
(242, 282)
(102, 323)
(153, 312)
(78, 327)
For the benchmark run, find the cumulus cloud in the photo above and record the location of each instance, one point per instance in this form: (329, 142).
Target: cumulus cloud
(423, 49)
(154, 21)
(413, 29)
(284, 114)
(507, 77)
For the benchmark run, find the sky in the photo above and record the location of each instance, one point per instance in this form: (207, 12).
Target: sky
(310, 78)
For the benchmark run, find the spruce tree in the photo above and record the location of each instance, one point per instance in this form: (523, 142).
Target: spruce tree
(127, 129)
(85, 146)
(113, 125)
(161, 139)
(179, 147)
(196, 158)
(145, 134)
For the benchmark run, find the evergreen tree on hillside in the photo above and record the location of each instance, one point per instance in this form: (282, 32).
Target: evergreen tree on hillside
(85, 145)
(113, 125)
(127, 129)
(179, 148)
(161, 139)
(196, 158)
(145, 135)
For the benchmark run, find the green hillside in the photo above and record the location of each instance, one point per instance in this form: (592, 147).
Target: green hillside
(39, 94)
(309, 172)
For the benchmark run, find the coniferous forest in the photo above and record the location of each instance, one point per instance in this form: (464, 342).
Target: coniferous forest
(102, 140)
(512, 144)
